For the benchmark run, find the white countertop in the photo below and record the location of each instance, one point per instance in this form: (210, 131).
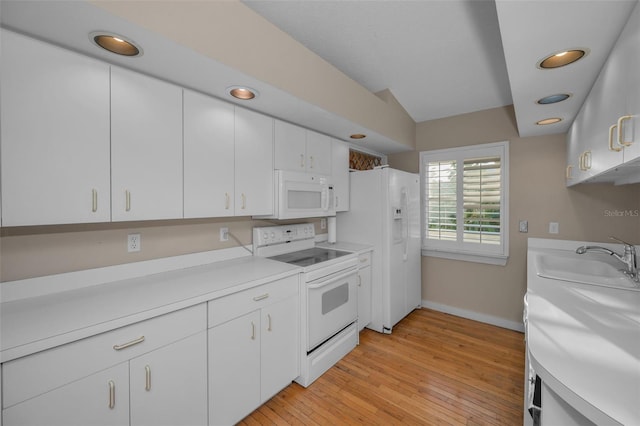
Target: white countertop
(37, 323)
(584, 342)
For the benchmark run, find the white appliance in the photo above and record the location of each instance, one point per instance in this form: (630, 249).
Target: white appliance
(329, 304)
(385, 213)
(301, 195)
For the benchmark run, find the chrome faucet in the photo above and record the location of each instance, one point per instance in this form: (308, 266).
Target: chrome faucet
(629, 258)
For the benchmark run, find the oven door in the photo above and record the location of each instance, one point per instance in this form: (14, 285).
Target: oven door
(331, 305)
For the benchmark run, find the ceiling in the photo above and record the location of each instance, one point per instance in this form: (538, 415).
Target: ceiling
(450, 57)
(438, 58)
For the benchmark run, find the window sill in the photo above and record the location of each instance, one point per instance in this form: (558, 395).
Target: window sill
(489, 259)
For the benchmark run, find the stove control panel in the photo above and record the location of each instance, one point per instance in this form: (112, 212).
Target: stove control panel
(270, 235)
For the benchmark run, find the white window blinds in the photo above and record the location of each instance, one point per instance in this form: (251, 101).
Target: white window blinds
(465, 209)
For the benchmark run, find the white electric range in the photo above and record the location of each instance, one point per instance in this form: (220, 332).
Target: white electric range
(329, 304)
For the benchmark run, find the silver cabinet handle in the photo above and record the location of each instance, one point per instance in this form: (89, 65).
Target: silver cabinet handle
(112, 394)
(311, 158)
(131, 343)
(127, 194)
(302, 161)
(253, 331)
(94, 200)
(244, 201)
(568, 172)
(621, 140)
(359, 281)
(268, 322)
(226, 201)
(261, 297)
(611, 131)
(147, 378)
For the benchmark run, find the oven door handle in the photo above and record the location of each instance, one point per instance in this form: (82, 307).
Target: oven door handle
(331, 280)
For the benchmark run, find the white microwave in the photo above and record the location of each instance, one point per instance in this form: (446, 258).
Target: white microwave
(300, 195)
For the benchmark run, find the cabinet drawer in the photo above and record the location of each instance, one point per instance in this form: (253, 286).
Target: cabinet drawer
(235, 305)
(35, 374)
(364, 260)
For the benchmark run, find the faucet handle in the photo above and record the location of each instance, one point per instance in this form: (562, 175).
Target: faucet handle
(620, 241)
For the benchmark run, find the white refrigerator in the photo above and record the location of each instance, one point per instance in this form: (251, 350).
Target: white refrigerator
(385, 213)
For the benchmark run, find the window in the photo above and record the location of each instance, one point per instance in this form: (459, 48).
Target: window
(465, 207)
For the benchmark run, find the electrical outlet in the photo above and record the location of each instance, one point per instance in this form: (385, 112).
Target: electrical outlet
(224, 234)
(554, 227)
(133, 242)
(323, 223)
(524, 226)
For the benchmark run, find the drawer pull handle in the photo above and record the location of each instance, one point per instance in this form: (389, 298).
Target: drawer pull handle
(268, 322)
(244, 201)
(112, 394)
(226, 201)
(131, 343)
(147, 375)
(302, 161)
(568, 172)
(94, 200)
(261, 297)
(253, 331)
(359, 281)
(363, 260)
(127, 199)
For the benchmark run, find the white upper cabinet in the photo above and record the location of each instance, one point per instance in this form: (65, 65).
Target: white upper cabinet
(146, 147)
(253, 163)
(340, 174)
(629, 44)
(318, 153)
(605, 132)
(55, 135)
(301, 150)
(208, 156)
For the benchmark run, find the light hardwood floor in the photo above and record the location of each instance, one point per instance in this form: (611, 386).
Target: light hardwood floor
(434, 369)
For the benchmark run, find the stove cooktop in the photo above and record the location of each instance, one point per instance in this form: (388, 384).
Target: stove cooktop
(310, 256)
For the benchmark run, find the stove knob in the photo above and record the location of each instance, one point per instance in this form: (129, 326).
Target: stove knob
(265, 236)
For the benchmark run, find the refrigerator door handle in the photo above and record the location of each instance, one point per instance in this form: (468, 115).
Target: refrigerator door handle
(405, 219)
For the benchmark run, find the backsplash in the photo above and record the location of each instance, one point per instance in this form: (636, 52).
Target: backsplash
(28, 252)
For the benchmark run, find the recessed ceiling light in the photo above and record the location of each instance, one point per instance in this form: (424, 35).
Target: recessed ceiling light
(242, 92)
(552, 99)
(358, 136)
(562, 58)
(549, 121)
(115, 43)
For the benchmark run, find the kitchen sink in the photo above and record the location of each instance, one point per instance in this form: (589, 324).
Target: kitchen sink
(585, 270)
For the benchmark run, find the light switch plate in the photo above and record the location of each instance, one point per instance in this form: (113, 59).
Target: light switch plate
(554, 228)
(524, 226)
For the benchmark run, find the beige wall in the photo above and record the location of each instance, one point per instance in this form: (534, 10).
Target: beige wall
(27, 252)
(537, 193)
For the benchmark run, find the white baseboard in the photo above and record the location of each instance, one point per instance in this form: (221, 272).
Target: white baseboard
(476, 316)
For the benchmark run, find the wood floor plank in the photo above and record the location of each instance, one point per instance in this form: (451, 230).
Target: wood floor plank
(434, 369)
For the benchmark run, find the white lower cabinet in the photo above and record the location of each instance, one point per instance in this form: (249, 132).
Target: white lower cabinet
(364, 290)
(253, 348)
(101, 399)
(149, 373)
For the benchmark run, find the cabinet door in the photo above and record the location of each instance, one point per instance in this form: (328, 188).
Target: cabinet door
(101, 399)
(280, 346)
(169, 385)
(364, 297)
(340, 174)
(234, 369)
(289, 147)
(54, 135)
(629, 42)
(253, 163)
(318, 153)
(146, 147)
(208, 156)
